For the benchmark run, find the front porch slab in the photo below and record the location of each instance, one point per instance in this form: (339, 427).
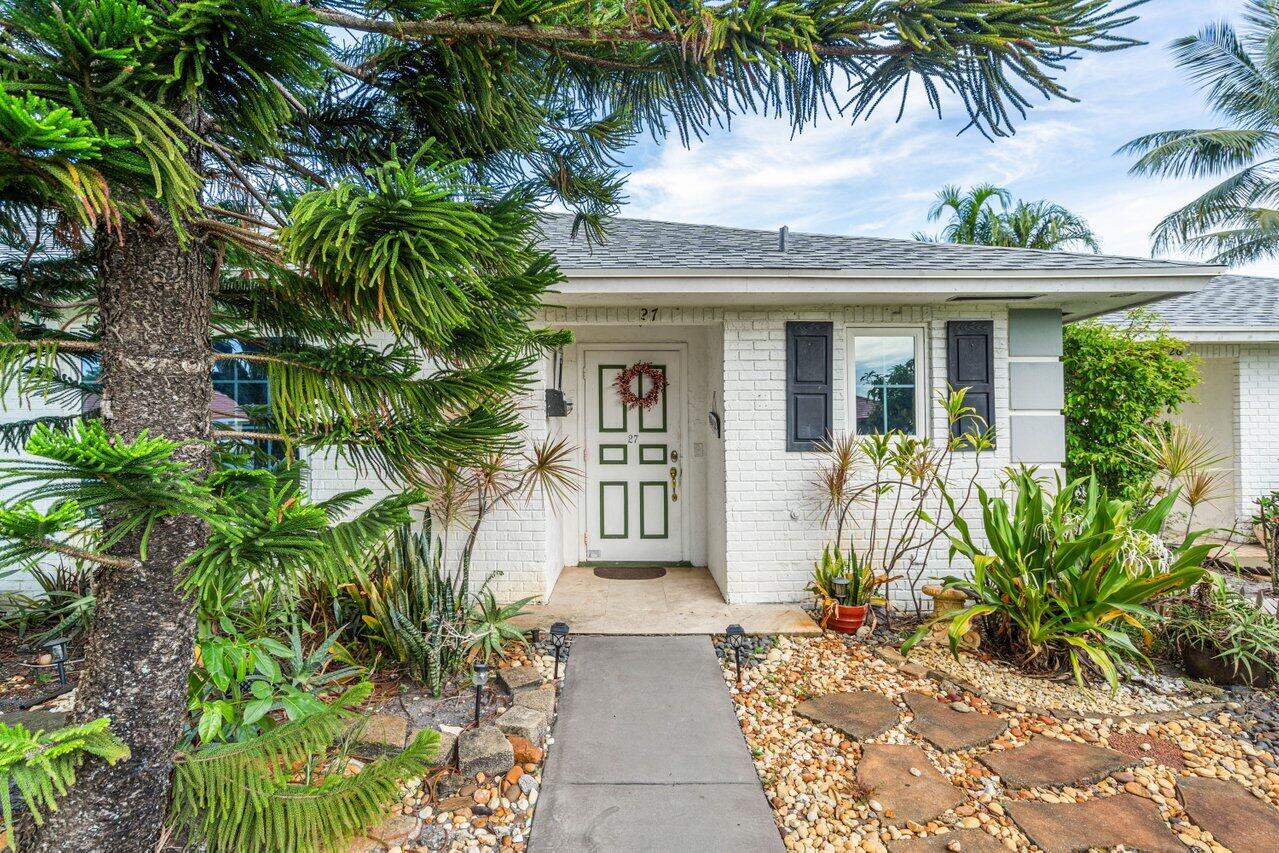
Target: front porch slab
(683, 601)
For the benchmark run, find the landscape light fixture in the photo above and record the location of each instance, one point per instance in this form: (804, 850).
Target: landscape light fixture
(559, 636)
(735, 638)
(58, 648)
(479, 677)
(839, 586)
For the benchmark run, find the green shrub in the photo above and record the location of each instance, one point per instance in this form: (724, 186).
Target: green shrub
(1120, 381)
(408, 609)
(1062, 575)
(42, 765)
(287, 789)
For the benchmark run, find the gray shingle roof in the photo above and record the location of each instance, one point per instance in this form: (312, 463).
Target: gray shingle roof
(649, 244)
(1241, 301)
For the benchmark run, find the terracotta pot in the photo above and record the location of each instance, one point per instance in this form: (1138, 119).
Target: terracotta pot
(1207, 665)
(846, 619)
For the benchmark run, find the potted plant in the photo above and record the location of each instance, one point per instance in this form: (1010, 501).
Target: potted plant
(1221, 636)
(845, 588)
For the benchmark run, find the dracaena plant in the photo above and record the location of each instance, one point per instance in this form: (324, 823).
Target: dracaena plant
(1064, 578)
(897, 480)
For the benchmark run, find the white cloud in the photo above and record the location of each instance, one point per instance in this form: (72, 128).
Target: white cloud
(879, 176)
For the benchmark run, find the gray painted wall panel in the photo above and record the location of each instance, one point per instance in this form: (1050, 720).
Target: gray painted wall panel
(1038, 439)
(1036, 385)
(1034, 332)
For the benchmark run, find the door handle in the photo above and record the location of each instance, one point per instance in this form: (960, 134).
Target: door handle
(674, 484)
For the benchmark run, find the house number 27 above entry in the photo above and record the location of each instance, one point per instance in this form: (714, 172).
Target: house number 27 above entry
(648, 315)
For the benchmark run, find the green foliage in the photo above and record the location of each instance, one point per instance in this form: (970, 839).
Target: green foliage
(1221, 621)
(899, 480)
(264, 524)
(63, 607)
(861, 577)
(1267, 520)
(490, 628)
(1064, 575)
(42, 765)
(239, 682)
(252, 796)
(1120, 381)
(410, 609)
(1234, 221)
(974, 219)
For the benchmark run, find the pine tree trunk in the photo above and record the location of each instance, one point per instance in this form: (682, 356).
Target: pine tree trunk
(156, 357)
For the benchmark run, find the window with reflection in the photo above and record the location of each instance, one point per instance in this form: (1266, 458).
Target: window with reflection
(887, 381)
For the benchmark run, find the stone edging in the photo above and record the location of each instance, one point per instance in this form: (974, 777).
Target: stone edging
(895, 657)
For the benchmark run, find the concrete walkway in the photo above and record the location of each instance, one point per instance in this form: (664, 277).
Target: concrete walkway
(648, 755)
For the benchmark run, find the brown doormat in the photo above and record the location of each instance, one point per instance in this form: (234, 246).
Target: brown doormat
(630, 573)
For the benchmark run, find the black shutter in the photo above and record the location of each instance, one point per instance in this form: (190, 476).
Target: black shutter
(970, 363)
(810, 365)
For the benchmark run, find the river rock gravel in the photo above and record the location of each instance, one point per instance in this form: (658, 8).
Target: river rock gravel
(808, 771)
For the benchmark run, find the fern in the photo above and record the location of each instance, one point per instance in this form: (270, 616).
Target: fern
(240, 796)
(42, 765)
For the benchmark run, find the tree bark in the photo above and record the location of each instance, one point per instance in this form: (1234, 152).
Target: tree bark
(155, 297)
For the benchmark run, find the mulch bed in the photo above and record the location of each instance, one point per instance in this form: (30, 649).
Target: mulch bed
(1160, 750)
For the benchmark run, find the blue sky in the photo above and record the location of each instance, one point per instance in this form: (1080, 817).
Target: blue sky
(879, 177)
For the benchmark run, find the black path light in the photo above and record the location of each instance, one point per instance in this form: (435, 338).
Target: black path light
(839, 586)
(479, 677)
(58, 648)
(559, 636)
(735, 638)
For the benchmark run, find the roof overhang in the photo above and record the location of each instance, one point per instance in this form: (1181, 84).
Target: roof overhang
(1077, 293)
(1226, 334)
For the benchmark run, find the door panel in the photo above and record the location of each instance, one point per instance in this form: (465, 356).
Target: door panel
(634, 460)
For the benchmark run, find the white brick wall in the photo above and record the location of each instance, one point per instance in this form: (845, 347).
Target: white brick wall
(1257, 423)
(761, 530)
(774, 533)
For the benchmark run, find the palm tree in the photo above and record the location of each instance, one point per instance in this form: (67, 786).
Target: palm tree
(1043, 225)
(1236, 221)
(975, 220)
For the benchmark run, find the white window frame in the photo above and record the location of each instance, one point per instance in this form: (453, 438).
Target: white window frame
(922, 373)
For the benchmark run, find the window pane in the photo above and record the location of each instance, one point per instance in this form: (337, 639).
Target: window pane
(901, 409)
(885, 383)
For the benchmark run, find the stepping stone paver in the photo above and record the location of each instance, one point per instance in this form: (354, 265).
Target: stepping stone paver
(389, 731)
(1049, 763)
(1235, 817)
(860, 714)
(970, 841)
(523, 722)
(1124, 819)
(886, 770)
(539, 699)
(519, 678)
(948, 729)
(484, 750)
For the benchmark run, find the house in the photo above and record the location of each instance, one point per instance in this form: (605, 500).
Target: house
(1232, 323)
(768, 340)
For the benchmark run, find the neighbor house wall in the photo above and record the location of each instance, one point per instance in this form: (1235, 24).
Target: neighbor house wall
(1258, 443)
(1238, 395)
(1214, 414)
